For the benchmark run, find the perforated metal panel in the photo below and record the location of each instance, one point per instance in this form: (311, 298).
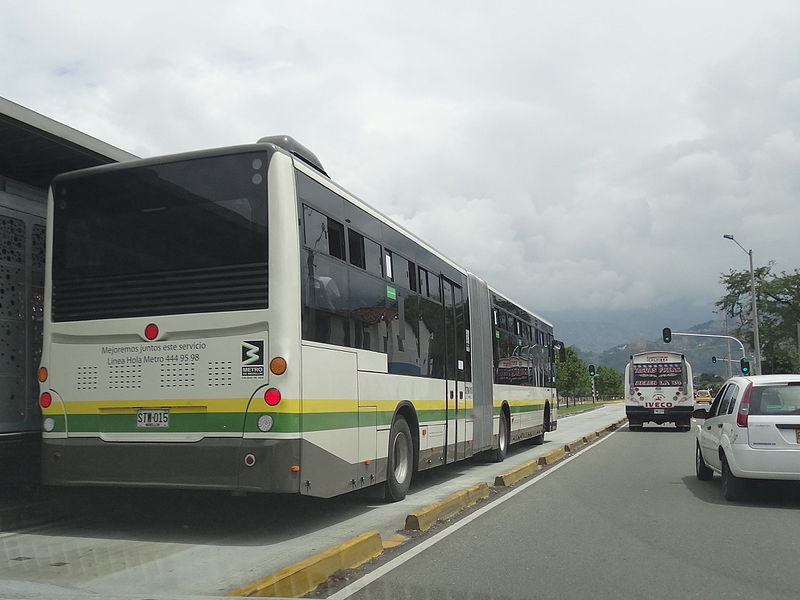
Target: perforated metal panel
(124, 377)
(86, 378)
(22, 252)
(177, 376)
(220, 373)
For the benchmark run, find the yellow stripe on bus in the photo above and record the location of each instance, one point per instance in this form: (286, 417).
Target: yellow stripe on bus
(229, 405)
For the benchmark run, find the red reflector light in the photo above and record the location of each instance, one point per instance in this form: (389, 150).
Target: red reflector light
(744, 407)
(272, 396)
(45, 400)
(151, 331)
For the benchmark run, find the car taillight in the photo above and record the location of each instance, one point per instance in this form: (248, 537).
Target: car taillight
(744, 407)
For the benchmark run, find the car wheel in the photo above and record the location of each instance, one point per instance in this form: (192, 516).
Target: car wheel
(502, 443)
(733, 488)
(704, 472)
(400, 462)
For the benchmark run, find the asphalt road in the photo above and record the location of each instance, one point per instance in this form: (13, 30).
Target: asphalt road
(151, 543)
(624, 519)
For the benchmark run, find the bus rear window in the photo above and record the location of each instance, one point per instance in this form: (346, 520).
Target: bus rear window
(658, 375)
(187, 236)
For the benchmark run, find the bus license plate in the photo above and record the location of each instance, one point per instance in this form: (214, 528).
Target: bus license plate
(149, 418)
(658, 411)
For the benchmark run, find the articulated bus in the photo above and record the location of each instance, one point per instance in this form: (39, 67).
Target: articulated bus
(233, 319)
(659, 389)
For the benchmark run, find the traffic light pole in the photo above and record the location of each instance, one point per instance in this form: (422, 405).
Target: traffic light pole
(708, 335)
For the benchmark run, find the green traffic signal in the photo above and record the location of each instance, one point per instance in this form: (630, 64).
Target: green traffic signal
(592, 371)
(744, 364)
(666, 335)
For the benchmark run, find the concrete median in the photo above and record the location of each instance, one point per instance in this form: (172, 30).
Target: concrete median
(299, 579)
(426, 517)
(516, 474)
(552, 457)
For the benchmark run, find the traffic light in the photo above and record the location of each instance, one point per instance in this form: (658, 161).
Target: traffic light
(745, 366)
(713, 359)
(666, 335)
(592, 371)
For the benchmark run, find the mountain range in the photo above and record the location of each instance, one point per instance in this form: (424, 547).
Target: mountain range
(698, 350)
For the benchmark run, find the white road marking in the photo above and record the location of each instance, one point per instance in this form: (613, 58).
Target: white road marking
(354, 587)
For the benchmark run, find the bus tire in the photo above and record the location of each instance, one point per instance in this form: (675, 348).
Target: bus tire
(400, 460)
(500, 452)
(704, 472)
(539, 439)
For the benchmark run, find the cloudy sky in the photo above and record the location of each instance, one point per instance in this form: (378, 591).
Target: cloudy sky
(583, 157)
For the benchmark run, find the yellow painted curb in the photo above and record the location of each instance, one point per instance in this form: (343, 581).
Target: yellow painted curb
(552, 456)
(396, 540)
(300, 578)
(575, 444)
(512, 476)
(425, 518)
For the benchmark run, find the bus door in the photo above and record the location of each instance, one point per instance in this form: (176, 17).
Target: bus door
(454, 372)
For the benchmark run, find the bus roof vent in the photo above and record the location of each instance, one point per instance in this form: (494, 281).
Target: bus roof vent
(292, 146)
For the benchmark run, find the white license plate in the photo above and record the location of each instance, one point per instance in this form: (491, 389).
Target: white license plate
(149, 418)
(658, 411)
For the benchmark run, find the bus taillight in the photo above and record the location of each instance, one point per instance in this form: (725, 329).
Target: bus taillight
(272, 396)
(41, 374)
(151, 332)
(45, 400)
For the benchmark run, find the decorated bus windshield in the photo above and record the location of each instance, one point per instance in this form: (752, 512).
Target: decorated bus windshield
(188, 236)
(658, 375)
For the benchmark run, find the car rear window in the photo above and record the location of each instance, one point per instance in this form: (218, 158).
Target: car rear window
(780, 399)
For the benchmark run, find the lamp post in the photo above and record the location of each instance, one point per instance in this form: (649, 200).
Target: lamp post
(756, 341)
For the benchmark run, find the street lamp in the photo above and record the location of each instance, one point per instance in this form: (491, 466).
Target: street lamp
(756, 341)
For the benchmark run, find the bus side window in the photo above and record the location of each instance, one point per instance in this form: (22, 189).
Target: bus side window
(372, 257)
(322, 233)
(389, 266)
(423, 282)
(315, 227)
(336, 239)
(355, 242)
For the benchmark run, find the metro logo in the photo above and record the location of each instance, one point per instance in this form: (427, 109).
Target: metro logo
(658, 404)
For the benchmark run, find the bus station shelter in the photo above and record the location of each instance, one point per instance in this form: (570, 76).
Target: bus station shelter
(33, 150)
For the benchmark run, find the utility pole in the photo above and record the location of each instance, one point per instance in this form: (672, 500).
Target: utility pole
(756, 340)
(728, 362)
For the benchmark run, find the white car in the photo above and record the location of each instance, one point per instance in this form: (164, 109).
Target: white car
(750, 431)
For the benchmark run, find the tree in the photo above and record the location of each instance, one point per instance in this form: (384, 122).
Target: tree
(609, 382)
(708, 381)
(572, 375)
(778, 298)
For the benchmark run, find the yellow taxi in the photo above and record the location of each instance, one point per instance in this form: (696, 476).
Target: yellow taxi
(703, 396)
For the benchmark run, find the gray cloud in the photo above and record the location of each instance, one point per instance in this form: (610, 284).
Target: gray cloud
(580, 156)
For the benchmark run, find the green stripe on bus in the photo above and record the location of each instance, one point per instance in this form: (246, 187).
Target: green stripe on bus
(521, 409)
(235, 422)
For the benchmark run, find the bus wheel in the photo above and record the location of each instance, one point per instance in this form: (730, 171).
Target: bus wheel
(502, 442)
(539, 439)
(400, 462)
